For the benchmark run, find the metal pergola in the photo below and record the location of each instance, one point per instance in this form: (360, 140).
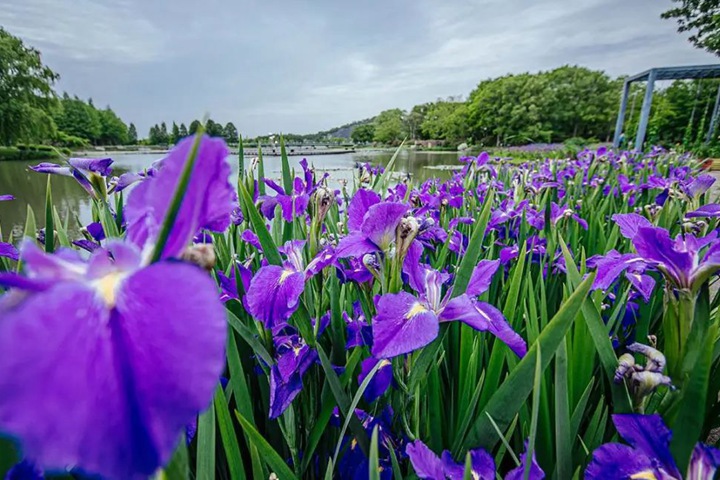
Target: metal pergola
(651, 76)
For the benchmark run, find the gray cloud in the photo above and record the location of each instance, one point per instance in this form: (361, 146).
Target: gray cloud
(303, 66)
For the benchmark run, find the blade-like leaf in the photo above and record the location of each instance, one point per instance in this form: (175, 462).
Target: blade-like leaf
(512, 393)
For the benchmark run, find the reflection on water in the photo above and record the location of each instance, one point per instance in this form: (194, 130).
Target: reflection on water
(74, 206)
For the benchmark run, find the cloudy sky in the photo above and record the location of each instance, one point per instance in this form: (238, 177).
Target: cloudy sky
(302, 66)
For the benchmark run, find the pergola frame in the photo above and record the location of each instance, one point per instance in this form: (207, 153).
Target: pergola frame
(656, 74)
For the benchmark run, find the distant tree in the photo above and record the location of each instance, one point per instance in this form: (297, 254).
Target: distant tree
(154, 135)
(414, 119)
(389, 126)
(79, 119)
(174, 134)
(163, 136)
(113, 130)
(132, 134)
(230, 133)
(194, 127)
(213, 129)
(26, 95)
(446, 120)
(363, 133)
(702, 19)
(183, 131)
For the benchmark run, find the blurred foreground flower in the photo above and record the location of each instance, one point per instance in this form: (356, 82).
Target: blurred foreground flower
(105, 361)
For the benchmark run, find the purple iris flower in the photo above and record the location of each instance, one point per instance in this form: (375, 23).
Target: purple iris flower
(6, 198)
(382, 380)
(94, 234)
(557, 213)
(699, 185)
(294, 203)
(24, 470)
(354, 465)
(711, 210)
(80, 169)
(648, 455)
(359, 332)
(681, 260)
(371, 224)
(294, 358)
(429, 466)
(8, 250)
(405, 322)
(105, 361)
(275, 290)
(634, 272)
(200, 209)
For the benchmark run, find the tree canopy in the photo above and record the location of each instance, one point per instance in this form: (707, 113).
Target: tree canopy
(700, 18)
(27, 99)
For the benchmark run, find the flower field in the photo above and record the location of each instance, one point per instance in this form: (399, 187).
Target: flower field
(551, 319)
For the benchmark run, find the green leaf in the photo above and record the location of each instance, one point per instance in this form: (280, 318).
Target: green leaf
(250, 338)
(381, 181)
(286, 175)
(177, 198)
(474, 249)
(206, 445)
(374, 459)
(227, 434)
(271, 457)
(251, 213)
(343, 402)
(30, 224)
(49, 220)
(564, 439)
(261, 172)
(537, 385)
(512, 393)
(353, 405)
(688, 424)
(601, 339)
(178, 468)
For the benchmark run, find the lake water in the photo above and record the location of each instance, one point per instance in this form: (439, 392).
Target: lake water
(71, 200)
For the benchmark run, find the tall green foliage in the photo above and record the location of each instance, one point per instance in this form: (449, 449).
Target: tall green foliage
(26, 94)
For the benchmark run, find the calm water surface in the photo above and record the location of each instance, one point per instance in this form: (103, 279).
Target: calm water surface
(73, 202)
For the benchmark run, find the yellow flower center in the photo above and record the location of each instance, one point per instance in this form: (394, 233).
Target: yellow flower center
(107, 287)
(645, 475)
(416, 309)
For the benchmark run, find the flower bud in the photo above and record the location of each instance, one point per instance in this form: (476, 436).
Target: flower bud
(322, 201)
(405, 233)
(202, 255)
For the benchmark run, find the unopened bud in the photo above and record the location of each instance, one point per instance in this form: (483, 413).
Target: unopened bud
(202, 255)
(626, 362)
(405, 233)
(371, 263)
(322, 201)
(655, 358)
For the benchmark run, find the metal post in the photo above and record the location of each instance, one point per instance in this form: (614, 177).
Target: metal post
(621, 115)
(645, 111)
(713, 119)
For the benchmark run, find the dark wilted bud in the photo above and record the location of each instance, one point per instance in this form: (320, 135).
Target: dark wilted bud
(202, 255)
(626, 362)
(405, 233)
(655, 359)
